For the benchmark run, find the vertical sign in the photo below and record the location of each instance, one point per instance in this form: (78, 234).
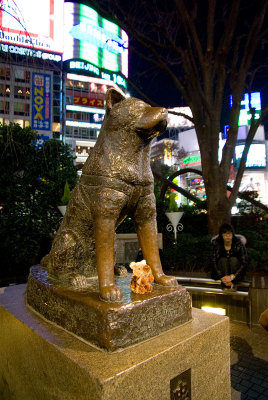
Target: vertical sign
(41, 102)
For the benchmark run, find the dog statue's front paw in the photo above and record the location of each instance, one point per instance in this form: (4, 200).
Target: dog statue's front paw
(111, 294)
(167, 280)
(79, 281)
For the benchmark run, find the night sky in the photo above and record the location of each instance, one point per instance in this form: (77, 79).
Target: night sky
(157, 85)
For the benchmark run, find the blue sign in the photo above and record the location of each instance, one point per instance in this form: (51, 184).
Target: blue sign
(41, 102)
(39, 142)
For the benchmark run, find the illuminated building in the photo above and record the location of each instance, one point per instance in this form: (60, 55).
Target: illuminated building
(57, 60)
(30, 64)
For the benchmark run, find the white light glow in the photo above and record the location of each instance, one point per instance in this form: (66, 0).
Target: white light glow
(68, 21)
(83, 124)
(85, 109)
(124, 56)
(32, 23)
(256, 155)
(214, 310)
(175, 121)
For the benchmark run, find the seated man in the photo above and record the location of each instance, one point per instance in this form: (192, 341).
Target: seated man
(229, 257)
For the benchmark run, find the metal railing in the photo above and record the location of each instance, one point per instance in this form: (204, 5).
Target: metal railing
(207, 281)
(185, 280)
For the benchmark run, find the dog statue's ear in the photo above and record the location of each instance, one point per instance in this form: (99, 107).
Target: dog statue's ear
(113, 97)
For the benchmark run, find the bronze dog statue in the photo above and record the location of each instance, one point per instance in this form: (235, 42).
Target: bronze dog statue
(116, 182)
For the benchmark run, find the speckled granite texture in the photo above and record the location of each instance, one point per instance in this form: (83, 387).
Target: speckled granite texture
(42, 361)
(109, 326)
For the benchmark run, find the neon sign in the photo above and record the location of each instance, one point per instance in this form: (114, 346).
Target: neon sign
(92, 70)
(86, 101)
(95, 41)
(256, 155)
(85, 109)
(254, 103)
(24, 51)
(192, 159)
(83, 124)
(98, 36)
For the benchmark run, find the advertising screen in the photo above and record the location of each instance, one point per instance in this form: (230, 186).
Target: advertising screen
(177, 121)
(254, 101)
(33, 24)
(101, 44)
(256, 156)
(41, 102)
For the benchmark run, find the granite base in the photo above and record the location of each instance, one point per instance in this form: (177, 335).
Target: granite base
(41, 361)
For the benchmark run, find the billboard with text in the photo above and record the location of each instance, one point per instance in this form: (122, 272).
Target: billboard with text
(32, 24)
(41, 102)
(95, 44)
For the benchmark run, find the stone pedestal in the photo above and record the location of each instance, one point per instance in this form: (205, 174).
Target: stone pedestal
(41, 361)
(109, 326)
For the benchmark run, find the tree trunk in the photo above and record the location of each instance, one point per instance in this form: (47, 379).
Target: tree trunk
(219, 210)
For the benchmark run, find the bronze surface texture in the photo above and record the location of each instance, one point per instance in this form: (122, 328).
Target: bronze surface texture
(110, 326)
(116, 182)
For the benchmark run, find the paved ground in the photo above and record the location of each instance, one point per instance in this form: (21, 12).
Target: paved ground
(249, 362)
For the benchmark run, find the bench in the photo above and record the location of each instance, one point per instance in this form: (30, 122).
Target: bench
(210, 286)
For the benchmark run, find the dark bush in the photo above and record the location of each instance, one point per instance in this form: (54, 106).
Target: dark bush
(31, 185)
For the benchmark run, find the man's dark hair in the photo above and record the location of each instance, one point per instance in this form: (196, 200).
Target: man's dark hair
(225, 227)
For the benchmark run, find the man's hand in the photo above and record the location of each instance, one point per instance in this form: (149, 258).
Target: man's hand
(226, 280)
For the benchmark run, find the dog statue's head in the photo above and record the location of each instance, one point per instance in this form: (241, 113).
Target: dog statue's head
(147, 121)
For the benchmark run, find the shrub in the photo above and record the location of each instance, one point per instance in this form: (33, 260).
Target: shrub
(190, 253)
(31, 184)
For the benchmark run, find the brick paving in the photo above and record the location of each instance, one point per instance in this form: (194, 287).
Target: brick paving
(249, 362)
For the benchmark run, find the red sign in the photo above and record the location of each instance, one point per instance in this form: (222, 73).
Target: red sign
(87, 101)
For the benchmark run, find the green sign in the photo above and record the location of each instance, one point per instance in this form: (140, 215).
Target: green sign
(192, 159)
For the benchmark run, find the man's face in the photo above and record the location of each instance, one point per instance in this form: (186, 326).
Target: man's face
(227, 237)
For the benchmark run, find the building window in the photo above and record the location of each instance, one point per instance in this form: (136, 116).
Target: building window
(21, 92)
(84, 117)
(19, 122)
(21, 109)
(22, 76)
(22, 122)
(56, 110)
(69, 83)
(56, 87)
(85, 133)
(93, 134)
(68, 99)
(76, 132)
(55, 127)
(4, 107)
(4, 90)
(4, 73)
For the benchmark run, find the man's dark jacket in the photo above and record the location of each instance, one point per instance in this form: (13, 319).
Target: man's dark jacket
(238, 250)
